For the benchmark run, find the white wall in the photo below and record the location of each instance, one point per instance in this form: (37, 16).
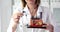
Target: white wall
(0, 19)
(5, 14)
(0, 15)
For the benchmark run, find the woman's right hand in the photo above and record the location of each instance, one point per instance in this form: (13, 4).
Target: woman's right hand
(17, 16)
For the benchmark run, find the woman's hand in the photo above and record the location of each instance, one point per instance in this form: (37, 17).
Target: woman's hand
(17, 16)
(50, 27)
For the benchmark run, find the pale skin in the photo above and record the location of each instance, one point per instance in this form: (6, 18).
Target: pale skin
(31, 4)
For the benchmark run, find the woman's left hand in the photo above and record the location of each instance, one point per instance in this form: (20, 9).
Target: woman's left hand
(50, 27)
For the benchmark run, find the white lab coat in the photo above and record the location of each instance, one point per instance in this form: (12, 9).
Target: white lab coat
(21, 27)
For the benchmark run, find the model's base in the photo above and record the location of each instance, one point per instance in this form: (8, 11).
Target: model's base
(43, 26)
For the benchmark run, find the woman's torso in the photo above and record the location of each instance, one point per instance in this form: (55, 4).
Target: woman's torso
(25, 19)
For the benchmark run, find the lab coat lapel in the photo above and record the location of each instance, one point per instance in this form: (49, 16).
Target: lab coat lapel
(38, 10)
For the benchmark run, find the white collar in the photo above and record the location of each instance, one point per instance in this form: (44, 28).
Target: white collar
(39, 9)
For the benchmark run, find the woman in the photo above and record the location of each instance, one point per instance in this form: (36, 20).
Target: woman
(30, 8)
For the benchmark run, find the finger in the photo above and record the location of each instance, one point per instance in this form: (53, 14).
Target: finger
(50, 27)
(15, 16)
(20, 14)
(16, 20)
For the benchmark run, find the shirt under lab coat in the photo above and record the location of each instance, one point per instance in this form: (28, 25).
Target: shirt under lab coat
(24, 20)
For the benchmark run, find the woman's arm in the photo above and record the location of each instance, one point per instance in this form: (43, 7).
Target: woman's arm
(50, 26)
(14, 27)
(49, 19)
(14, 22)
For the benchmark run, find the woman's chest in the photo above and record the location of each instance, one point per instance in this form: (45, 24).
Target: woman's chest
(27, 17)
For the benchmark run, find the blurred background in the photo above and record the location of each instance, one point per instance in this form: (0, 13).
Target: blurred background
(7, 7)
